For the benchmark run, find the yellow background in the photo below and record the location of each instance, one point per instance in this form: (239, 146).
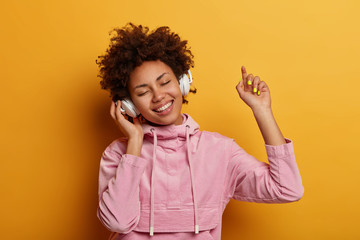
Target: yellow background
(55, 122)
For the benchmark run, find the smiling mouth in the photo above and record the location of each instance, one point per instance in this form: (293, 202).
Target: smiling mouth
(163, 108)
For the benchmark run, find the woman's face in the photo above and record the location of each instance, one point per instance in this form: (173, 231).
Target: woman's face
(155, 91)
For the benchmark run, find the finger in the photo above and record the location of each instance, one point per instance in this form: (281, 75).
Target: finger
(118, 110)
(120, 119)
(249, 82)
(244, 74)
(255, 84)
(239, 87)
(262, 87)
(112, 110)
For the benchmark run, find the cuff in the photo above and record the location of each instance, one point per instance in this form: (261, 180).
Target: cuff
(285, 149)
(134, 160)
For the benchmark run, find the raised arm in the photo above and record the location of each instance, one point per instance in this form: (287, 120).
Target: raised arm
(256, 94)
(252, 180)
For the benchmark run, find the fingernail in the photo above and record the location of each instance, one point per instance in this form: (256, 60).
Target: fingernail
(259, 92)
(249, 82)
(255, 90)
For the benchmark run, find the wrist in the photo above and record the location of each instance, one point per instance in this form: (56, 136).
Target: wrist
(136, 138)
(262, 110)
(268, 127)
(134, 145)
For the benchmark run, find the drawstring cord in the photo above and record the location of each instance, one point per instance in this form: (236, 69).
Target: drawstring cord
(192, 180)
(152, 186)
(192, 183)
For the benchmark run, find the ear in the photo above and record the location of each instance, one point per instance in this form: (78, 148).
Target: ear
(185, 83)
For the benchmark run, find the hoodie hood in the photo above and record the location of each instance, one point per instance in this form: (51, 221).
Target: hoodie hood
(159, 135)
(172, 131)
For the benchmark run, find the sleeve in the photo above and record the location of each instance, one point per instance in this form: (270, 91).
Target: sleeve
(119, 179)
(251, 180)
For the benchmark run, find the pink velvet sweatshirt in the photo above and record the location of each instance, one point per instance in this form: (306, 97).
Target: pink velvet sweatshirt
(180, 185)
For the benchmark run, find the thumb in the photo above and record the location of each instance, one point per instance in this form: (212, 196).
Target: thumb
(240, 86)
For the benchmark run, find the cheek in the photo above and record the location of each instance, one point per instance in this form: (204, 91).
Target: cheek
(175, 90)
(141, 104)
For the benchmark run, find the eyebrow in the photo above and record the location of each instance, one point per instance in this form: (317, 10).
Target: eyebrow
(157, 79)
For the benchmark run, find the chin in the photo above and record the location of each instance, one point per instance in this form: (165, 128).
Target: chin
(165, 121)
(174, 117)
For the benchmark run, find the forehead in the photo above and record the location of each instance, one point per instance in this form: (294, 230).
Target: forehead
(148, 71)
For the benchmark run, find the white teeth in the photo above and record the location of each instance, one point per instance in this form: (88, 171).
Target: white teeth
(163, 108)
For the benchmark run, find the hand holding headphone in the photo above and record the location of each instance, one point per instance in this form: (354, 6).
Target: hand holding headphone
(129, 108)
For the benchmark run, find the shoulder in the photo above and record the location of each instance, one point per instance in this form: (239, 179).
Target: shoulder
(215, 135)
(117, 147)
(214, 138)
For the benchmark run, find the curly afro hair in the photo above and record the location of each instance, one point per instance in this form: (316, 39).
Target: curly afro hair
(131, 46)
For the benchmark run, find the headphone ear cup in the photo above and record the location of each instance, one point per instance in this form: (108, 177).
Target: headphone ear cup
(184, 84)
(129, 107)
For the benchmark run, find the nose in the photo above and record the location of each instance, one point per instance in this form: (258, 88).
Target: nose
(158, 95)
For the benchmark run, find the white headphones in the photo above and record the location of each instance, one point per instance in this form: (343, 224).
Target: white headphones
(128, 107)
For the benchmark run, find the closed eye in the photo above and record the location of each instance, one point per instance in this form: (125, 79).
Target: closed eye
(165, 83)
(142, 94)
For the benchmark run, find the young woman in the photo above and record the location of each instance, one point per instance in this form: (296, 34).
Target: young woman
(166, 179)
